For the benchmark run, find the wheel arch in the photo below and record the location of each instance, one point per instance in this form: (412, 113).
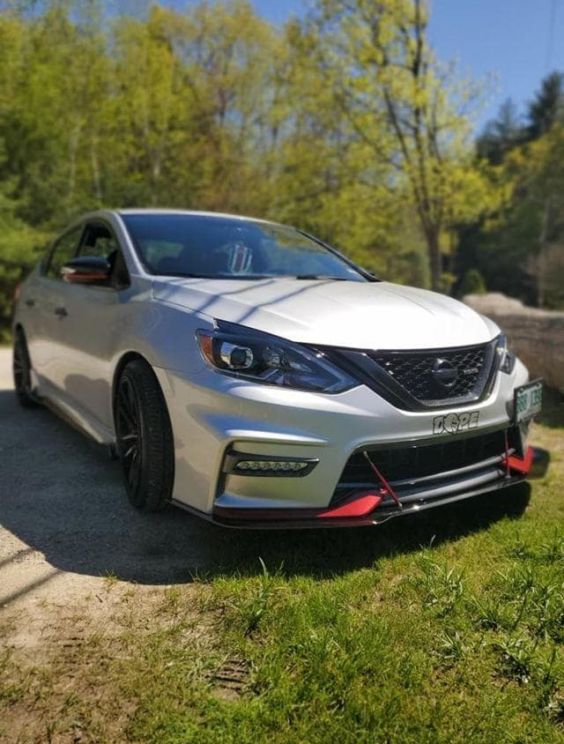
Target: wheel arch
(165, 426)
(122, 363)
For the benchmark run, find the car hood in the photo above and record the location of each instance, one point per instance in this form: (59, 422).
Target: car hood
(355, 315)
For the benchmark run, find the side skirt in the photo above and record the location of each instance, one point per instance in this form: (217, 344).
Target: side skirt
(75, 416)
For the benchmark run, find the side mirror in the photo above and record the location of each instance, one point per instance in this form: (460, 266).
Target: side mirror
(87, 270)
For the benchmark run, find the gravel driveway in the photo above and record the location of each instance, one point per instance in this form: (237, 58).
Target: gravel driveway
(65, 523)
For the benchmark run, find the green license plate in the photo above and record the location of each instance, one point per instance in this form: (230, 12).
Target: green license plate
(528, 401)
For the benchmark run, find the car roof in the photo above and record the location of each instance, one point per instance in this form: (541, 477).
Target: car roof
(189, 212)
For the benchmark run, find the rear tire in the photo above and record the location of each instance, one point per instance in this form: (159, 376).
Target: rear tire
(21, 366)
(144, 437)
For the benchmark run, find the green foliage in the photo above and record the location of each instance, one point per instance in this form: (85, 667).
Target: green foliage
(214, 108)
(19, 248)
(546, 109)
(519, 249)
(344, 124)
(472, 283)
(407, 110)
(501, 135)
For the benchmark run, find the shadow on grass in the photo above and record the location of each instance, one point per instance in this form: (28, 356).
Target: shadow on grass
(553, 409)
(329, 552)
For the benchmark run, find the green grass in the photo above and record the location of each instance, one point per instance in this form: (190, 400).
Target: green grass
(455, 643)
(446, 628)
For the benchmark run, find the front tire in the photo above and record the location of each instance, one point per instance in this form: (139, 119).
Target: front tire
(144, 437)
(21, 366)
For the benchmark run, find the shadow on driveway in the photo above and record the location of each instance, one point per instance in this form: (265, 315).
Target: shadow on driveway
(61, 495)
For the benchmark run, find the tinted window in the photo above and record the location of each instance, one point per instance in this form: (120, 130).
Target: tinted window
(99, 241)
(63, 250)
(184, 245)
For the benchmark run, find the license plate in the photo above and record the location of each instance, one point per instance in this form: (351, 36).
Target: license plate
(528, 401)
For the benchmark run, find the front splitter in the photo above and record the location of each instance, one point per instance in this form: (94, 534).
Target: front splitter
(304, 519)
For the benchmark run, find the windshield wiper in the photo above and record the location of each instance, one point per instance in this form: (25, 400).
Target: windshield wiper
(182, 275)
(322, 276)
(187, 275)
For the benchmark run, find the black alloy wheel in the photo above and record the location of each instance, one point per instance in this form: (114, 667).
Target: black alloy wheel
(144, 437)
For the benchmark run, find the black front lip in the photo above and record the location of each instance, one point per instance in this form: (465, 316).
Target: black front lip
(302, 519)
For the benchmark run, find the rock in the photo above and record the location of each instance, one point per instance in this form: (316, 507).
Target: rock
(536, 336)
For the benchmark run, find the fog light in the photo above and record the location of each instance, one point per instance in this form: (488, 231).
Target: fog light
(239, 463)
(274, 465)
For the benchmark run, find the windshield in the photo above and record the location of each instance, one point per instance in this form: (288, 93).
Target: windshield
(228, 248)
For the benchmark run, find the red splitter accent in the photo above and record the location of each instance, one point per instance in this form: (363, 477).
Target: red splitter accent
(518, 464)
(360, 506)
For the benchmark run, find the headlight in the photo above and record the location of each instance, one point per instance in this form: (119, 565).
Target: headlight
(506, 358)
(252, 355)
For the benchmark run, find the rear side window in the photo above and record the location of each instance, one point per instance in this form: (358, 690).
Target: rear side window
(64, 250)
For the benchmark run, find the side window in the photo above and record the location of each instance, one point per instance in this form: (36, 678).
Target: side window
(99, 241)
(63, 250)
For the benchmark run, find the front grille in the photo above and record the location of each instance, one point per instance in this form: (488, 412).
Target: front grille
(412, 462)
(420, 380)
(438, 375)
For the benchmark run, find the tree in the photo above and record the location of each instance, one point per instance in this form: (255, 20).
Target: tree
(501, 134)
(344, 123)
(519, 248)
(547, 107)
(472, 283)
(20, 245)
(539, 189)
(383, 71)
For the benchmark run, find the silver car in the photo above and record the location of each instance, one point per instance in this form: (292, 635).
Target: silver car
(248, 372)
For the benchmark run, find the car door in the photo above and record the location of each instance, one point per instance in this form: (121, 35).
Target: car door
(45, 302)
(91, 324)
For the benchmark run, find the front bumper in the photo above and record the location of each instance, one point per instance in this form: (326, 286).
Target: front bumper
(385, 500)
(213, 415)
(370, 508)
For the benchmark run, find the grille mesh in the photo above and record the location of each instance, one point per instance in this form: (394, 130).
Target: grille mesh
(413, 370)
(425, 460)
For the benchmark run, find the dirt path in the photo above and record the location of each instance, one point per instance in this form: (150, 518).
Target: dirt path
(75, 559)
(65, 524)
(67, 531)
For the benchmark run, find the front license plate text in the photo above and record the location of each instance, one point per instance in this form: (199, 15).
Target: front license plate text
(452, 423)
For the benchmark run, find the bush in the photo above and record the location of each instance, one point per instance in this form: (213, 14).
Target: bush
(472, 283)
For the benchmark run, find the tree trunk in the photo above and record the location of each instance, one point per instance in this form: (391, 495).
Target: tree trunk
(96, 170)
(540, 262)
(435, 259)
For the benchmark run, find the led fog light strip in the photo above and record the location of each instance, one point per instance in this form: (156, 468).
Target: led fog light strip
(239, 463)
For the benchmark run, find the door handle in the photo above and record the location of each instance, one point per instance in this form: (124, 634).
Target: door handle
(30, 302)
(61, 312)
